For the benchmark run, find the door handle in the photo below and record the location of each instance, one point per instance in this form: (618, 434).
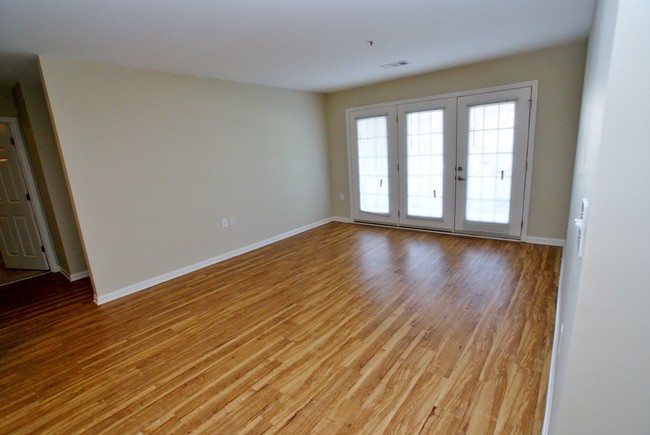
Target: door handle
(461, 178)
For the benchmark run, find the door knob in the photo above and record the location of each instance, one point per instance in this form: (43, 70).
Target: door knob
(461, 178)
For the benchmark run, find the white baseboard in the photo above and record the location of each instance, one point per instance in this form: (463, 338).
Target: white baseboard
(544, 241)
(529, 239)
(102, 299)
(554, 354)
(74, 276)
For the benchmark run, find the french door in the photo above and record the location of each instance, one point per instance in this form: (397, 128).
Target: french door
(375, 171)
(427, 140)
(491, 157)
(452, 164)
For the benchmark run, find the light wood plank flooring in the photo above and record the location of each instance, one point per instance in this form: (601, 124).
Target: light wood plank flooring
(343, 329)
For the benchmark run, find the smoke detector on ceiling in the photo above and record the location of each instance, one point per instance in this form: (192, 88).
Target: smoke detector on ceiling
(395, 64)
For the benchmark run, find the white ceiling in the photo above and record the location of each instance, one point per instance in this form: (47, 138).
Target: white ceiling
(317, 45)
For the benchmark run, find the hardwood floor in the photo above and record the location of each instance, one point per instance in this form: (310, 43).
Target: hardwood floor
(343, 329)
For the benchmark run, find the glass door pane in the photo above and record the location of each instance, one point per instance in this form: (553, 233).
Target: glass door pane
(424, 153)
(489, 162)
(372, 142)
(427, 157)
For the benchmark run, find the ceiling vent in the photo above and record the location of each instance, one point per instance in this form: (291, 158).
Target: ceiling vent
(395, 64)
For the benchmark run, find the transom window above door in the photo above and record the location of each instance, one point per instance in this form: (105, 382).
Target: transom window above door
(454, 163)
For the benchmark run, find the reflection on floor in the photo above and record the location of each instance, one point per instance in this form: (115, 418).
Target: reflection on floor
(12, 275)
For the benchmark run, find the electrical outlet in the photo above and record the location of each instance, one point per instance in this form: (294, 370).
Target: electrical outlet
(233, 221)
(224, 222)
(342, 196)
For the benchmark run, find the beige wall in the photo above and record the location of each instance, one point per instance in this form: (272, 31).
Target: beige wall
(591, 121)
(155, 160)
(559, 71)
(36, 125)
(601, 383)
(7, 106)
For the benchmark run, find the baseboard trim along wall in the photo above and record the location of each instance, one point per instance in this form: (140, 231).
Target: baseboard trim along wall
(530, 239)
(554, 354)
(545, 241)
(74, 276)
(102, 299)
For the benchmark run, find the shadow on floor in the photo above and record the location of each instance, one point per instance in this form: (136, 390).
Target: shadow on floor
(8, 276)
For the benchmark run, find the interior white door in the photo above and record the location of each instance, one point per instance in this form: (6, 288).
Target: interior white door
(491, 162)
(374, 172)
(20, 240)
(427, 156)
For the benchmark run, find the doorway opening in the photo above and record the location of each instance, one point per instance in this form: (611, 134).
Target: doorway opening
(25, 245)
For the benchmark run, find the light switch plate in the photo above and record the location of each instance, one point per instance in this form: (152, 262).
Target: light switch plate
(581, 223)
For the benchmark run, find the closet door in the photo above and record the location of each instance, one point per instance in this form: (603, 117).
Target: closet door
(375, 188)
(427, 155)
(491, 162)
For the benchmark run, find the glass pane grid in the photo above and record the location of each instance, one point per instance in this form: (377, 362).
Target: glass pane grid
(372, 146)
(490, 151)
(425, 163)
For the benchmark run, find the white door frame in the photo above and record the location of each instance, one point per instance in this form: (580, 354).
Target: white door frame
(32, 189)
(533, 84)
